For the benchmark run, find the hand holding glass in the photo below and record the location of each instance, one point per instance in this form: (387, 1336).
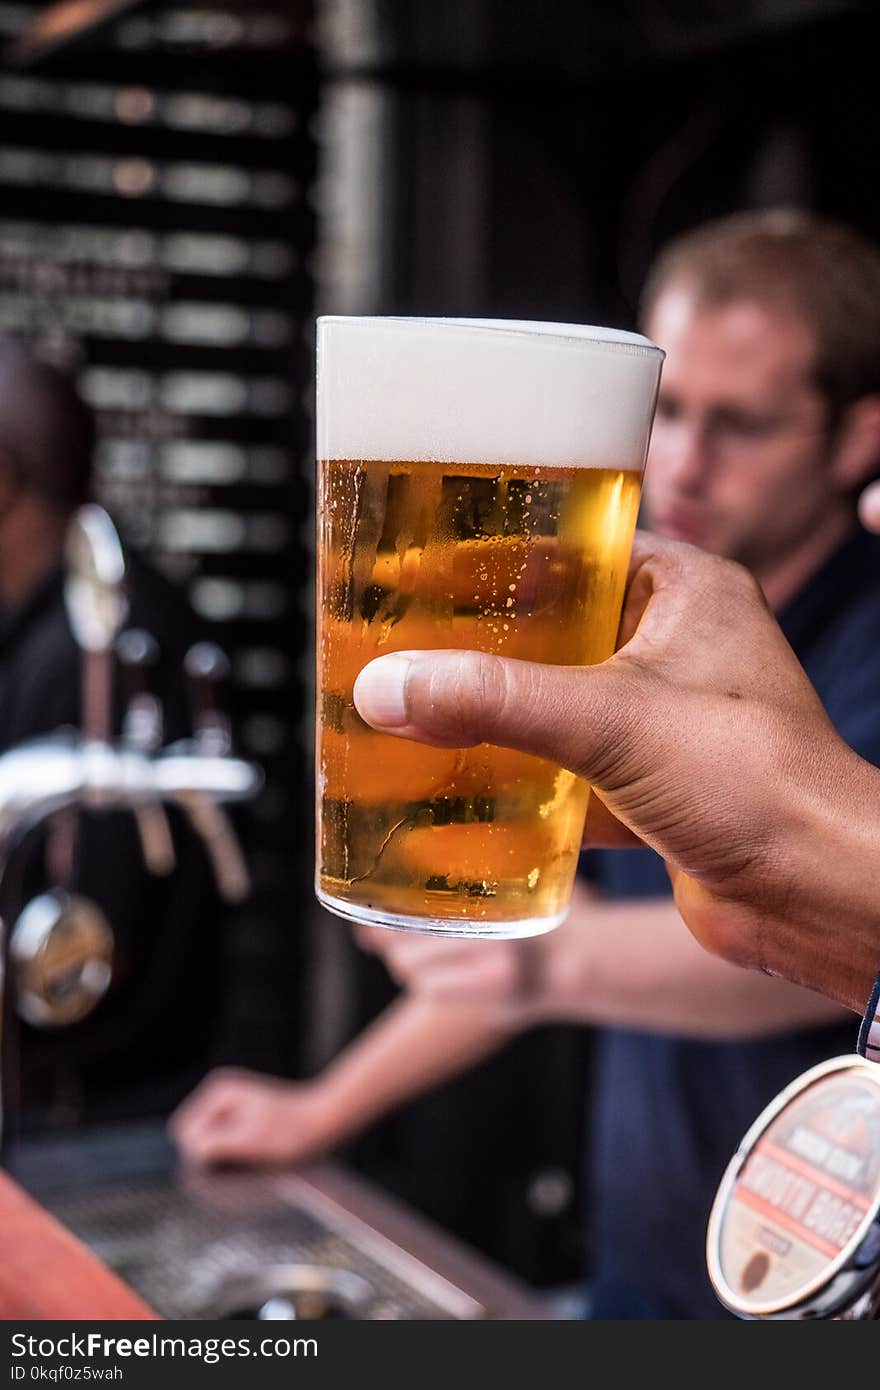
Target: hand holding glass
(478, 489)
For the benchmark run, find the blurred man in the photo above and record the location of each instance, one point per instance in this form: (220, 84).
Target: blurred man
(768, 425)
(148, 1039)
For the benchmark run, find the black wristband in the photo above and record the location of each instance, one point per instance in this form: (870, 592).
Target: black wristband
(869, 1034)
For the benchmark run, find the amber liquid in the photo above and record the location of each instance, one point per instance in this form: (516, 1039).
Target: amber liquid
(524, 562)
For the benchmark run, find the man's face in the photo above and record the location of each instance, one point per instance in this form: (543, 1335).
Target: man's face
(740, 461)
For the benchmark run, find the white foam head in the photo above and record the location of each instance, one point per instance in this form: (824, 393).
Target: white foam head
(496, 391)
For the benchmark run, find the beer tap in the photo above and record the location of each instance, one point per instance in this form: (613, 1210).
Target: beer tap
(63, 770)
(97, 605)
(207, 666)
(61, 946)
(57, 961)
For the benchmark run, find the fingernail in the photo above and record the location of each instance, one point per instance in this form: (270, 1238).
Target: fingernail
(380, 689)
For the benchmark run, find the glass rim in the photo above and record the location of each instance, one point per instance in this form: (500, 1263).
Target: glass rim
(614, 339)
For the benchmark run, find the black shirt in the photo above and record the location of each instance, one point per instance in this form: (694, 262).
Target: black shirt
(669, 1112)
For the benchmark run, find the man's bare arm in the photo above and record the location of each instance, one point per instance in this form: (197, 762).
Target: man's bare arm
(635, 965)
(622, 964)
(414, 1045)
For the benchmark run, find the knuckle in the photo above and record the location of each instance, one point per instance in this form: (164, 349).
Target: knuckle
(225, 1076)
(742, 579)
(398, 971)
(394, 957)
(491, 681)
(464, 694)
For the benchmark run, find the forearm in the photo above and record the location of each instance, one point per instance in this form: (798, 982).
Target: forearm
(634, 965)
(413, 1046)
(824, 931)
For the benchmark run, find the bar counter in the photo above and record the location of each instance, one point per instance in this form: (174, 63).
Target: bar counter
(45, 1272)
(114, 1204)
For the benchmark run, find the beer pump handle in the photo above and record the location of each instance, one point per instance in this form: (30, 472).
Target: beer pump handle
(207, 668)
(215, 829)
(143, 727)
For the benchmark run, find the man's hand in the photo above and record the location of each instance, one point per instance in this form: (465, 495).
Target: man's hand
(237, 1116)
(701, 735)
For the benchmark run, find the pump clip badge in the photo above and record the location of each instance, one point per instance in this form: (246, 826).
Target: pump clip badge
(795, 1227)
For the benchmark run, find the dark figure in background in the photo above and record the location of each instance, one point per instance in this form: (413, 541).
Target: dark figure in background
(149, 1038)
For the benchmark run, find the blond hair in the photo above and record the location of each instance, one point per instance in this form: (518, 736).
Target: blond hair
(820, 271)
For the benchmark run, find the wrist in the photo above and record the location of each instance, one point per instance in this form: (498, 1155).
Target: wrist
(311, 1115)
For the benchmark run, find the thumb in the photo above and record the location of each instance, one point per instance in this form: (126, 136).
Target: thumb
(584, 718)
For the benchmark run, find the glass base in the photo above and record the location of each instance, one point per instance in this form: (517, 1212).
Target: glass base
(440, 926)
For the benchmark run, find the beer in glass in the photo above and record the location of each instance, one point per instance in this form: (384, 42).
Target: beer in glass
(478, 484)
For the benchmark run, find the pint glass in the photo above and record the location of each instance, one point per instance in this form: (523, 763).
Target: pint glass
(478, 484)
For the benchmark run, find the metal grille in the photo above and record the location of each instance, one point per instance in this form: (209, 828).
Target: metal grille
(179, 1250)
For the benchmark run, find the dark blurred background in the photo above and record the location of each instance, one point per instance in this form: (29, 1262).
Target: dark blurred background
(183, 187)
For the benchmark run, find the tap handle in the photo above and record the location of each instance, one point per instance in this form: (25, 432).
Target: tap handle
(138, 655)
(207, 668)
(211, 822)
(157, 844)
(138, 651)
(143, 727)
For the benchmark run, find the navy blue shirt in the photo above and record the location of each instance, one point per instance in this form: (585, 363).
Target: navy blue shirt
(669, 1112)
